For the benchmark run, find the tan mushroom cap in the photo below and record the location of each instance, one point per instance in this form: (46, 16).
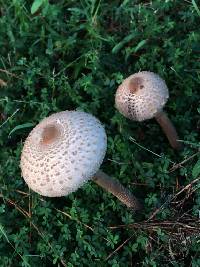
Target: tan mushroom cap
(62, 152)
(141, 96)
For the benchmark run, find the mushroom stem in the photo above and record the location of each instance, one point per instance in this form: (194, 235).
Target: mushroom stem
(169, 129)
(117, 189)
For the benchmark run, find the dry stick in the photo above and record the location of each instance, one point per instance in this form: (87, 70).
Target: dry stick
(169, 129)
(118, 248)
(11, 74)
(117, 189)
(175, 196)
(179, 165)
(2, 83)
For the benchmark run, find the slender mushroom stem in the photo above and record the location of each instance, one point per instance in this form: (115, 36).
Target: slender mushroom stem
(117, 189)
(169, 129)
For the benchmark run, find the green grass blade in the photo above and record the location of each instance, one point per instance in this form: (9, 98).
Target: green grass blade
(196, 7)
(21, 126)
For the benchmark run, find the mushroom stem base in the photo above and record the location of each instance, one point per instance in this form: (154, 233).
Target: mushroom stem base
(169, 129)
(117, 189)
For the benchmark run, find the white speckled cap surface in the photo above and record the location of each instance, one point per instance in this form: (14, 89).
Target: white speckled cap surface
(62, 152)
(141, 96)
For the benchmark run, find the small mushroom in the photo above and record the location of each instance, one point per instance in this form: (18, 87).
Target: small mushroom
(63, 152)
(142, 96)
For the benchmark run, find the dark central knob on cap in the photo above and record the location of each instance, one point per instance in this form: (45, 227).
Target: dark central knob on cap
(135, 84)
(49, 134)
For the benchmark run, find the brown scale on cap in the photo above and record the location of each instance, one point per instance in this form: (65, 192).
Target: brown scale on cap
(136, 84)
(50, 134)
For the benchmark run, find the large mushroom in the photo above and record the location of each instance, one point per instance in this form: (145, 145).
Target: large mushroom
(63, 152)
(142, 96)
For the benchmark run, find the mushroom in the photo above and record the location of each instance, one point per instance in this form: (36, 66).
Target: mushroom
(142, 96)
(63, 152)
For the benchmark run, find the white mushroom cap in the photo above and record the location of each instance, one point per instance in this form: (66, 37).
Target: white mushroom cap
(62, 152)
(141, 96)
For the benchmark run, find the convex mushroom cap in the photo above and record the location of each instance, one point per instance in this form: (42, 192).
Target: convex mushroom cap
(141, 96)
(62, 152)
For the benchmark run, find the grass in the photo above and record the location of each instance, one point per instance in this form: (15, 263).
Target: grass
(58, 55)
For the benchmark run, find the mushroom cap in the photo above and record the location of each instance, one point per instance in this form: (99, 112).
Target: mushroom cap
(141, 96)
(62, 152)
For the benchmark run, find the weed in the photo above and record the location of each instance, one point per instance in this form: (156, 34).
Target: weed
(58, 55)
